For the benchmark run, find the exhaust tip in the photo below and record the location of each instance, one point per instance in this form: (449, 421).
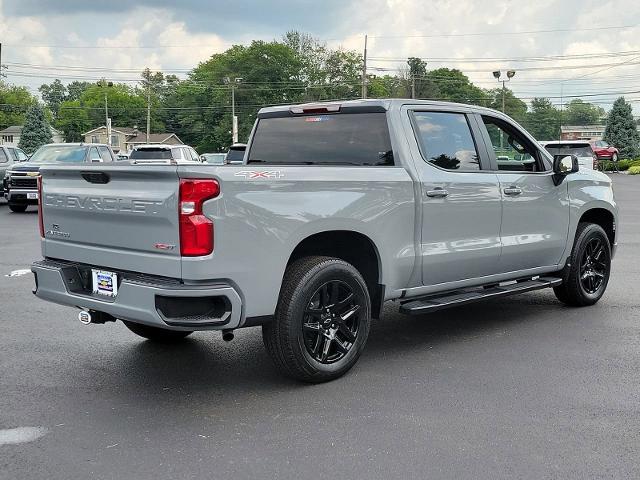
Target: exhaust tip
(227, 335)
(84, 317)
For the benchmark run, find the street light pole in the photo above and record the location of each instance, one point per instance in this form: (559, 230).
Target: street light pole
(498, 75)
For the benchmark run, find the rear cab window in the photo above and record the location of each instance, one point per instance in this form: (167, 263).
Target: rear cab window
(3, 156)
(151, 154)
(577, 149)
(360, 139)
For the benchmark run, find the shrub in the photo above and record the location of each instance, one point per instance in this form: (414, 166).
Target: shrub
(635, 170)
(607, 165)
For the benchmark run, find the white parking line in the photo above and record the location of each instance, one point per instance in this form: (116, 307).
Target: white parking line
(13, 436)
(19, 273)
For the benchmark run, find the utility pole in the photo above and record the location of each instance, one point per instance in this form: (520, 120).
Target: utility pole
(148, 109)
(413, 86)
(107, 122)
(234, 120)
(364, 70)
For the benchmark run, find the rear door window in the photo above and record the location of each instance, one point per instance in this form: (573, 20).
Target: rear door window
(446, 141)
(326, 139)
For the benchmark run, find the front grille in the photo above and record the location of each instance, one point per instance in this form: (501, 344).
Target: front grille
(24, 182)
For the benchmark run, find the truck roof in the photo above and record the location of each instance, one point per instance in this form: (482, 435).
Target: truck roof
(372, 103)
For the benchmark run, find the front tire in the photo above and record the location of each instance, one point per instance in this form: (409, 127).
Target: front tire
(586, 279)
(322, 320)
(17, 208)
(159, 335)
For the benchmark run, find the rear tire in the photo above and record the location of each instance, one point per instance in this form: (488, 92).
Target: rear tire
(322, 320)
(17, 208)
(585, 281)
(159, 335)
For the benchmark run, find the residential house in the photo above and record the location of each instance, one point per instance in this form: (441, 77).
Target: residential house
(10, 136)
(125, 138)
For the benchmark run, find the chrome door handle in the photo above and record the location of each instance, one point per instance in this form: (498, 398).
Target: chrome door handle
(512, 191)
(437, 193)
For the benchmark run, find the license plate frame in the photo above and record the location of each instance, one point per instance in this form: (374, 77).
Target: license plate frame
(32, 195)
(104, 283)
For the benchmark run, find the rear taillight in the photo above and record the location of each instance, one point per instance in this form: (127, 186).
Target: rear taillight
(40, 200)
(196, 230)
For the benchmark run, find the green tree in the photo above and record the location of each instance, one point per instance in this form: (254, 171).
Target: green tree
(325, 73)
(513, 106)
(14, 103)
(73, 121)
(621, 129)
(75, 89)
(578, 112)
(36, 130)
(53, 95)
(270, 73)
(455, 86)
(543, 119)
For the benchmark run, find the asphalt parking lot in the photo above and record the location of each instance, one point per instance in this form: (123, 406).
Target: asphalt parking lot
(521, 387)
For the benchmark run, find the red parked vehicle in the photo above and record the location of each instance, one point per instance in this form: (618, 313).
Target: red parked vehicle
(604, 151)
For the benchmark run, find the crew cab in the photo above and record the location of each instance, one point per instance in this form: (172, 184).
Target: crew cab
(20, 180)
(336, 209)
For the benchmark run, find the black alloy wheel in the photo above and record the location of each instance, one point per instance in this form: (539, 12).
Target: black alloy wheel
(593, 267)
(330, 322)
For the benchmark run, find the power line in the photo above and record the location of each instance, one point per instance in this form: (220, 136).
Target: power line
(482, 34)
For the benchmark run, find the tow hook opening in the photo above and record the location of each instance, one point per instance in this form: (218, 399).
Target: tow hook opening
(227, 335)
(92, 316)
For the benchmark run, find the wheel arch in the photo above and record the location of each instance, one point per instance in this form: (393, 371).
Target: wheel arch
(353, 247)
(602, 217)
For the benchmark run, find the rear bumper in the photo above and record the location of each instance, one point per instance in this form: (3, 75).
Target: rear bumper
(155, 301)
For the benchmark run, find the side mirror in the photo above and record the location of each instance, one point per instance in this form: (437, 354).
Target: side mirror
(563, 165)
(203, 159)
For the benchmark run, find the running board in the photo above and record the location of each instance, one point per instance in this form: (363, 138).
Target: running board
(454, 298)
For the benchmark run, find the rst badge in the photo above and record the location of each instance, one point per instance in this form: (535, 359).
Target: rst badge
(251, 174)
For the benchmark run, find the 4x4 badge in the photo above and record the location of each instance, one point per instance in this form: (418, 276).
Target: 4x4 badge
(251, 174)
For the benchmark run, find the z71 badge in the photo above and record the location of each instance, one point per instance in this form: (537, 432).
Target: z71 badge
(251, 174)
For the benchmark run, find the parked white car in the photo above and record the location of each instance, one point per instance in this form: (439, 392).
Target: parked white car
(580, 148)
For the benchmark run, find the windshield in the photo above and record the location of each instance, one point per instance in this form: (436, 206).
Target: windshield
(578, 150)
(151, 154)
(59, 153)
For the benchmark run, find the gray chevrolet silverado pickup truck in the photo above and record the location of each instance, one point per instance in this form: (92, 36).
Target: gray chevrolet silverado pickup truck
(337, 208)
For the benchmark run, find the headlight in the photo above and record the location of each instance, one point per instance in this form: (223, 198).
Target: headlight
(7, 174)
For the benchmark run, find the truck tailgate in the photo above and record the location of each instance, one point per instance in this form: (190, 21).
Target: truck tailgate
(123, 217)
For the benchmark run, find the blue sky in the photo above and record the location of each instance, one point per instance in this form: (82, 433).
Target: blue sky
(477, 36)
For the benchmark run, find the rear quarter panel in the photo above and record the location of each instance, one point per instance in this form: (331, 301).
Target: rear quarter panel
(263, 213)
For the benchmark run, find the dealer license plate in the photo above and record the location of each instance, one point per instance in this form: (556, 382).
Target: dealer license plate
(105, 283)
